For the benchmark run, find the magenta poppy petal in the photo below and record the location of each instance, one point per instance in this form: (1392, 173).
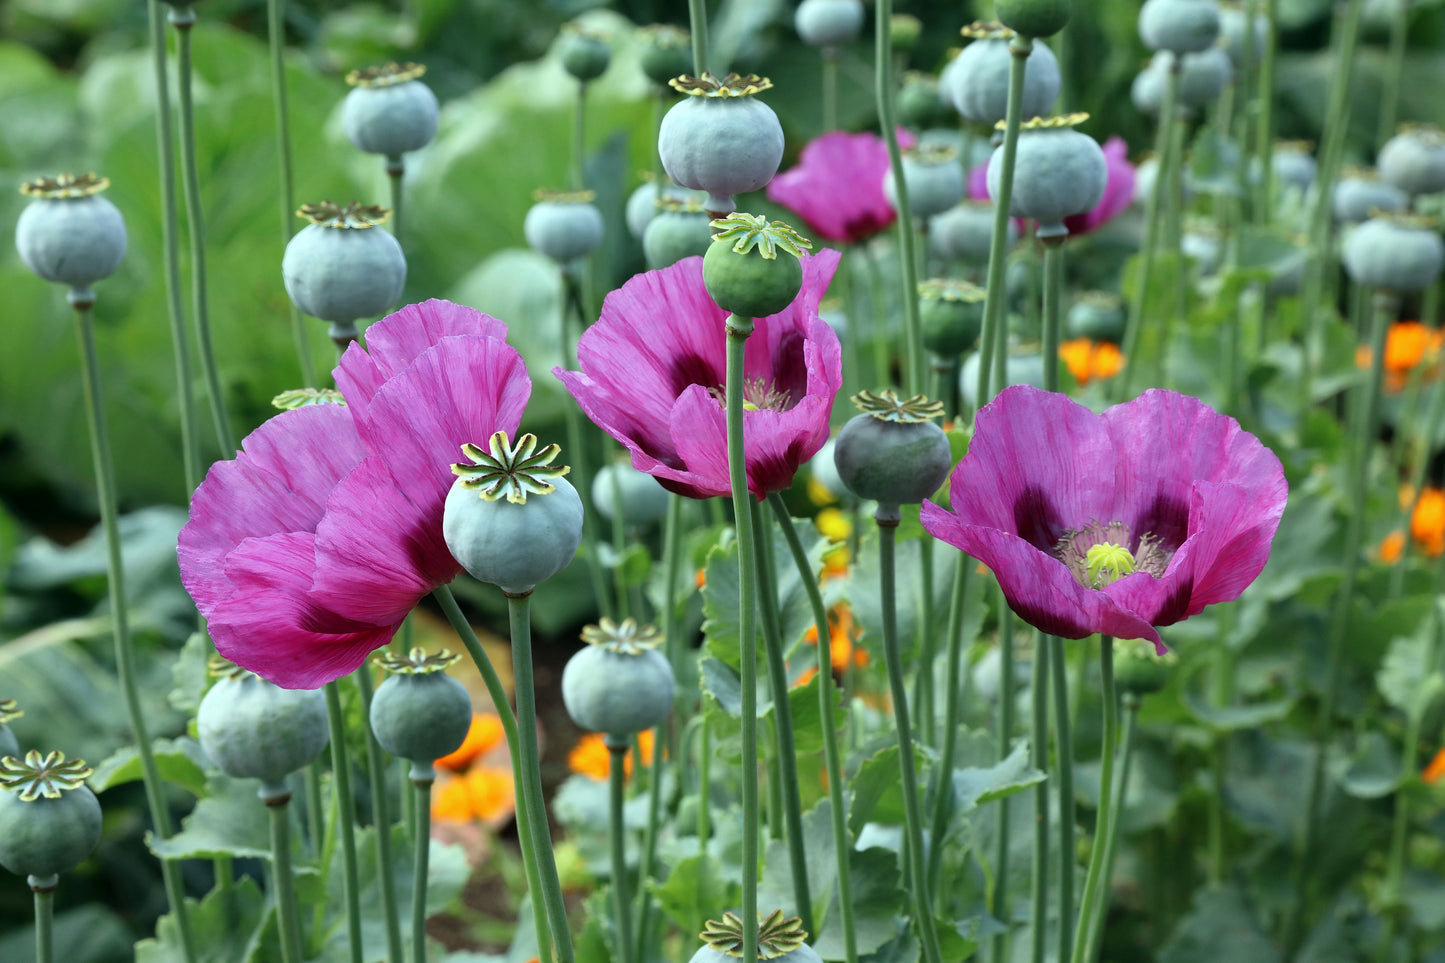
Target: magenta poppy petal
(1038, 587)
(378, 552)
(1235, 527)
(395, 341)
(278, 628)
(1118, 190)
(837, 186)
(278, 482)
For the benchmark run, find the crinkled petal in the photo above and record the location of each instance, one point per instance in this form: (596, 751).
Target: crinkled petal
(277, 627)
(397, 339)
(1037, 586)
(278, 482)
(837, 186)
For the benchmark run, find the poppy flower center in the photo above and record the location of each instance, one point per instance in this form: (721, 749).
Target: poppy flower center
(757, 396)
(1098, 554)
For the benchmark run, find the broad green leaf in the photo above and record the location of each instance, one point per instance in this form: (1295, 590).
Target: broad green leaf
(776, 887)
(697, 889)
(878, 900)
(1373, 771)
(1405, 679)
(1220, 926)
(228, 927)
(972, 787)
(181, 762)
(876, 792)
(190, 674)
(230, 821)
(90, 933)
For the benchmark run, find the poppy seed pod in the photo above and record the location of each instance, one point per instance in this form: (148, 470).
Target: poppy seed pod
(1293, 165)
(1033, 18)
(752, 267)
(720, 138)
(341, 267)
(679, 230)
(1058, 172)
(1098, 316)
(9, 712)
(780, 940)
(643, 500)
(828, 23)
(1179, 26)
(920, 104)
(389, 110)
(420, 713)
(666, 53)
(563, 226)
(1394, 253)
(951, 313)
(619, 683)
(1414, 160)
(934, 180)
(49, 818)
(977, 81)
(585, 55)
(964, 232)
(644, 203)
(1361, 191)
(1202, 78)
(252, 729)
(68, 233)
(1232, 36)
(893, 453)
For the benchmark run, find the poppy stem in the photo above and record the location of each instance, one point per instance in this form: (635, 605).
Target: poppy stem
(617, 832)
(45, 921)
(832, 757)
(286, 912)
(887, 517)
(649, 840)
(1394, 72)
(345, 817)
(738, 330)
(830, 89)
(704, 786)
(183, 19)
(942, 783)
(787, 770)
(395, 169)
(503, 705)
(1111, 837)
(1095, 879)
(1039, 876)
(421, 781)
(582, 473)
(381, 819)
(1053, 237)
(1264, 97)
(83, 301)
(883, 88)
(999, 905)
(697, 30)
(993, 342)
(1064, 749)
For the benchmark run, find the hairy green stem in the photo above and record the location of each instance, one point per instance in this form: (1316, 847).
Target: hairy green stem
(787, 769)
(993, 343)
(44, 921)
(581, 462)
(1039, 877)
(697, 29)
(1111, 838)
(1053, 291)
(381, 816)
(832, 756)
(704, 786)
(887, 517)
(421, 781)
(395, 174)
(649, 839)
(617, 835)
(1094, 898)
(1064, 747)
(883, 89)
(83, 300)
(345, 811)
(286, 908)
(999, 904)
(183, 19)
(923, 682)
(276, 36)
(738, 330)
(579, 139)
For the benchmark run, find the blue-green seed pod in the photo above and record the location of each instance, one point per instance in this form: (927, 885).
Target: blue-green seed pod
(964, 232)
(666, 53)
(420, 713)
(1394, 253)
(1293, 165)
(828, 23)
(510, 518)
(644, 501)
(934, 178)
(893, 453)
(563, 226)
(1058, 171)
(49, 818)
(1179, 26)
(1034, 18)
(679, 230)
(951, 315)
(1232, 18)
(389, 111)
(644, 203)
(920, 104)
(585, 55)
(977, 81)
(1414, 160)
(9, 712)
(252, 729)
(1360, 191)
(619, 684)
(342, 267)
(780, 940)
(68, 233)
(720, 138)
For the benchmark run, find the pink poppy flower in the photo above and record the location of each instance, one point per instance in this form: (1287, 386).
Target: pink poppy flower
(307, 551)
(1112, 523)
(837, 186)
(1118, 191)
(654, 367)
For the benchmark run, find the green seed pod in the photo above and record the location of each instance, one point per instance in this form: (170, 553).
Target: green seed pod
(679, 230)
(1033, 18)
(563, 225)
(510, 518)
(934, 179)
(964, 232)
(920, 105)
(1360, 191)
(1019, 369)
(1058, 171)
(68, 233)
(646, 201)
(1414, 160)
(1394, 253)
(340, 267)
(585, 55)
(389, 110)
(893, 453)
(666, 53)
(9, 712)
(1098, 316)
(720, 138)
(1232, 32)
(952, 315)
(828, 23)
(780, 940)
(904, 30)
(619, 684)
(978, 77)
(1180, 26)
(644, 501)
(420, 713)
(1138, 670)
(1293, 165)
(49, 818)
(252, 729)
(753, 283)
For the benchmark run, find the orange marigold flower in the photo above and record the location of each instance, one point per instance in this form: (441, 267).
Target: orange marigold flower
(1407, 345)
(484, 735)
(805, 678)
(1392, 547)
(1427, 522)
(1436, 770)
(1091, 360)
(485, 792)
(591, 757)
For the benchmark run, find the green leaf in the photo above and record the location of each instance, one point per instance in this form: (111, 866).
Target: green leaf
(1219, 927)
(230, 821)
(1406, 679)
(696, 890)
(228, 927)
(190, 674)
(775, 889)
(878, 900)
(720, 592)
(90, 933)
(973, 787)
(181, 762)
(876, 792)
(1373, 770)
